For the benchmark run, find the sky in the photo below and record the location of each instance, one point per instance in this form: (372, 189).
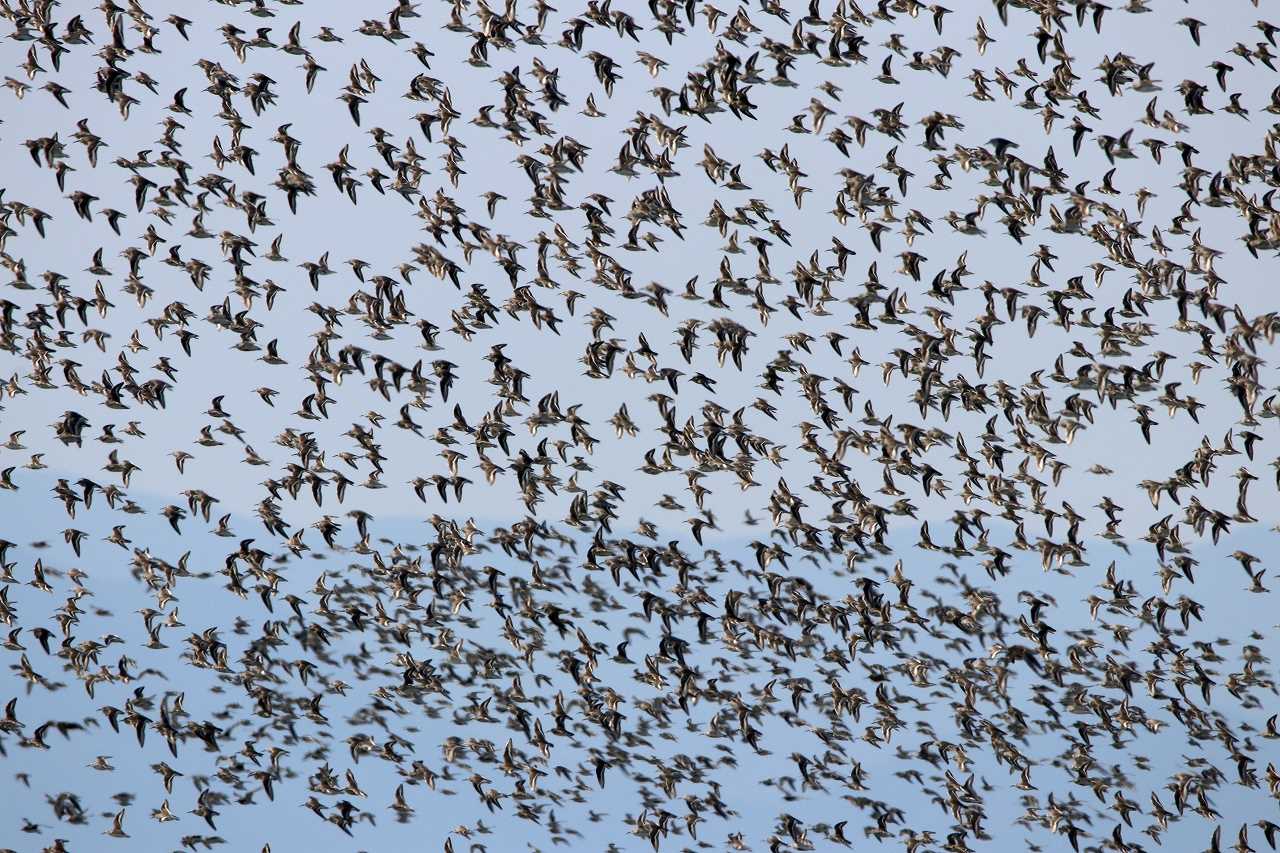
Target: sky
(381, 229)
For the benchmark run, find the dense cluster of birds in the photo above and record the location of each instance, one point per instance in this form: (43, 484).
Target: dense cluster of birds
(879, 480)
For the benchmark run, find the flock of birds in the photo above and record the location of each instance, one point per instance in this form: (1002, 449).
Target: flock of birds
(942, 314)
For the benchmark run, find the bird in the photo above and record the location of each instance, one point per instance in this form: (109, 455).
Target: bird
(857, 537)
